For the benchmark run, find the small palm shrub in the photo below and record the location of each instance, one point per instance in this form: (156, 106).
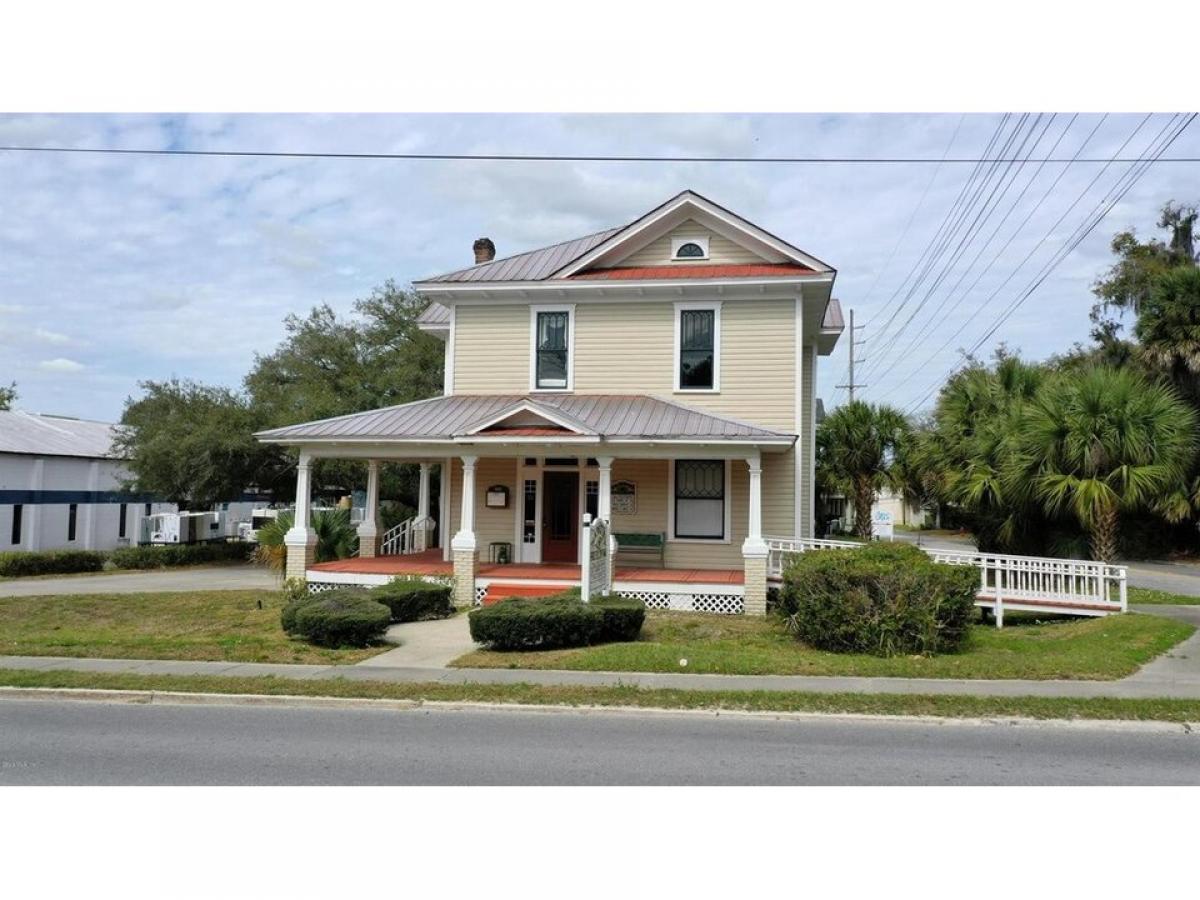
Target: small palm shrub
(411, 599)
(561, 620)
(883, 599)
(336, 538)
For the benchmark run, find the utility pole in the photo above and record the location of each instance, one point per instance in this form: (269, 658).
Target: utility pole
(853, 343)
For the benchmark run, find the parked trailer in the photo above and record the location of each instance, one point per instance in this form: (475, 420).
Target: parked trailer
(187, 528)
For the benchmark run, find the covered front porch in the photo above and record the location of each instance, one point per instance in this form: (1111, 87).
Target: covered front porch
(683, 494)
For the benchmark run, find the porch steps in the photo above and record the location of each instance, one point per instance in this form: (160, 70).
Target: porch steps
(497, 591)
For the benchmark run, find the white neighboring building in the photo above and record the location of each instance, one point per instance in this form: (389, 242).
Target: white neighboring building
(61, 486)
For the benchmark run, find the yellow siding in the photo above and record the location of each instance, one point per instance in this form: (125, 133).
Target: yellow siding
(491, 349)
(490, 524)
(779, 494)
(720, 249)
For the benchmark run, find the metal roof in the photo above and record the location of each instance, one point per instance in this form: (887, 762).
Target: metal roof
(833, 317)
(611, 416)
(534, 265)
(39, 435)
(434, 315)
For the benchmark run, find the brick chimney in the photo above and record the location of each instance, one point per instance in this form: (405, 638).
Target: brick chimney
(485, 250)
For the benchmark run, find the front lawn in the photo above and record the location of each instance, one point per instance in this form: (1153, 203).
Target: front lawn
(741, 645)
(213, 625)
(1149, 595)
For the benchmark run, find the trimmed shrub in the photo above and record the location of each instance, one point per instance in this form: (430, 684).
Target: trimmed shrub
(20, 563)
(884, 599)
(341, 618)
(560, 620)
(411, 600)
(160, 556)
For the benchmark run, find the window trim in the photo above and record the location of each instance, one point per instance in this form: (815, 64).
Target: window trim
(715, 307)
(534, 310)
(677, 242)
(727, 527)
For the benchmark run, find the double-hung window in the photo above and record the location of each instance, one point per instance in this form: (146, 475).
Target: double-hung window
(697, 346)
(551, 351)
(700, 499)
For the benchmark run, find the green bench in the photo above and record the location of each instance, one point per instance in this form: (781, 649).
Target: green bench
(636, 544)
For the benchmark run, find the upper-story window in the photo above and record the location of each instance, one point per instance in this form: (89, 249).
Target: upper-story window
(689, 248)
(551, 363)
(697, 346)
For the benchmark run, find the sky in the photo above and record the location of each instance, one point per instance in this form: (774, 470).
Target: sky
(120, 268)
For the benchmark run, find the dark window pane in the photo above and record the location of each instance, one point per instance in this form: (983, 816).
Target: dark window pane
(18, 514)
(121, 520)
(697, 341)
(72, 517)
(592, 498)
(529, 526)
(690, 250)
(552, 342)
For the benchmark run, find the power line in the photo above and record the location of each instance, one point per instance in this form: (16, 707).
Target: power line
(547, 157)
(1007, 177)
(851, 385)
(1131, 177)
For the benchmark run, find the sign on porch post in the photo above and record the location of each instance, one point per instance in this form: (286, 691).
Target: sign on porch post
(597, 573)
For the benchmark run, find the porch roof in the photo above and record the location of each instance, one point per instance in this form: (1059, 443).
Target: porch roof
(474, 418)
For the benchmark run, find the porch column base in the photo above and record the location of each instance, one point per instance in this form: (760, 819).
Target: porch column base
(368, 541)
(464, 578)
(301, 544)
(754, 560)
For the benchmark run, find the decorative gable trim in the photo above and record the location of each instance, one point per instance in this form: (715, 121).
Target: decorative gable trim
(689, 205)
(549, 414)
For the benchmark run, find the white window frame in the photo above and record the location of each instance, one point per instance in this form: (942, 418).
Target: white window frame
(534, 309)
(728, 524)
(715, 307)
(677, 242)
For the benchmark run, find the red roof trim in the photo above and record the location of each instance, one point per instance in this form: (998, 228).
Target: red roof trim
(684, 270)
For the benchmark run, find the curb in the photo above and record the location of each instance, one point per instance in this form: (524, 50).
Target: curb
(186, 698)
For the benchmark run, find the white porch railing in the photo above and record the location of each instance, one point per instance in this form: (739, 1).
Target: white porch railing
(407, 537)
(1040, 584)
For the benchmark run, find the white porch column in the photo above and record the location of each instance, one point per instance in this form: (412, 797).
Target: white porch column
(301, 539)
(424, 521)
(444, 490)
(368, 529)
(604, 509)
(463, 544)
(754, 548)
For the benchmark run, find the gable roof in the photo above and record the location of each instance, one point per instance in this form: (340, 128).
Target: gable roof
(589, 417)
(569, 258)
(39, 435)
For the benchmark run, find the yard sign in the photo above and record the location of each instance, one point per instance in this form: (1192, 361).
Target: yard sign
(596, 569)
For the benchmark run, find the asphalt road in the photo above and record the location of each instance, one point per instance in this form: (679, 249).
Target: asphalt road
(77, 742)
(192, 578)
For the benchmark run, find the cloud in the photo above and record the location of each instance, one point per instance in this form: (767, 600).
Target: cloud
(188, 265)
(61, 365)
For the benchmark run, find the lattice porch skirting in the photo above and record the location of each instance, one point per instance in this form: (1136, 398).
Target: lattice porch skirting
(724, 604)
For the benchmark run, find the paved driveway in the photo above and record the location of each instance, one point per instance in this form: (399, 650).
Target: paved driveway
(200, 578)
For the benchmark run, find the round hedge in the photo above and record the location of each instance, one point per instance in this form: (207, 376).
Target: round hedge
(883, 599)
(411, 600)
(561, 620)
(339, 618)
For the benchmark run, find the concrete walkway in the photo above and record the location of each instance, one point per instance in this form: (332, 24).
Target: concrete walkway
(424, 645)
(241, 576)
(1174, 675)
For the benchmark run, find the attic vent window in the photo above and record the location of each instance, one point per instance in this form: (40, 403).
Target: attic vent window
(689, 248)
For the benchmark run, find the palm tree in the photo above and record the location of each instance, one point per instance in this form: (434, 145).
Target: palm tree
(1099, 442)
(336, 538)
(857, 445)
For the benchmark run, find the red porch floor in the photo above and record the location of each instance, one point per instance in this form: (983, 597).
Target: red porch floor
(431, 563)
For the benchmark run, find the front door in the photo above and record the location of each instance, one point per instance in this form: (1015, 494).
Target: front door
(560, 521)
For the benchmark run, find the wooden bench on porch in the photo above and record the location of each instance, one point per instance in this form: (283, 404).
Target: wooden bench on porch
(651, 544)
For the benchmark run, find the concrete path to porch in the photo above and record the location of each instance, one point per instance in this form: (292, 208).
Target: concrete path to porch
(423, 645)
(1174, 675)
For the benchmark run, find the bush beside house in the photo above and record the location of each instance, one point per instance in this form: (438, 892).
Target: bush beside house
(412, 599)
(340, 618)
(560, 620)
(883, 599)
(23, 563)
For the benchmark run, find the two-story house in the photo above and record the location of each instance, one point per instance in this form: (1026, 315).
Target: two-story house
(660, 375)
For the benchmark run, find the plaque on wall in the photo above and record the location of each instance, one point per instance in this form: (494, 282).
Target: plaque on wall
(624, 498)
(497, 497)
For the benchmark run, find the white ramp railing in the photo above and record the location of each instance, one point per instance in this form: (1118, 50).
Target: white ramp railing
(1044, 584)
(410, 536)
